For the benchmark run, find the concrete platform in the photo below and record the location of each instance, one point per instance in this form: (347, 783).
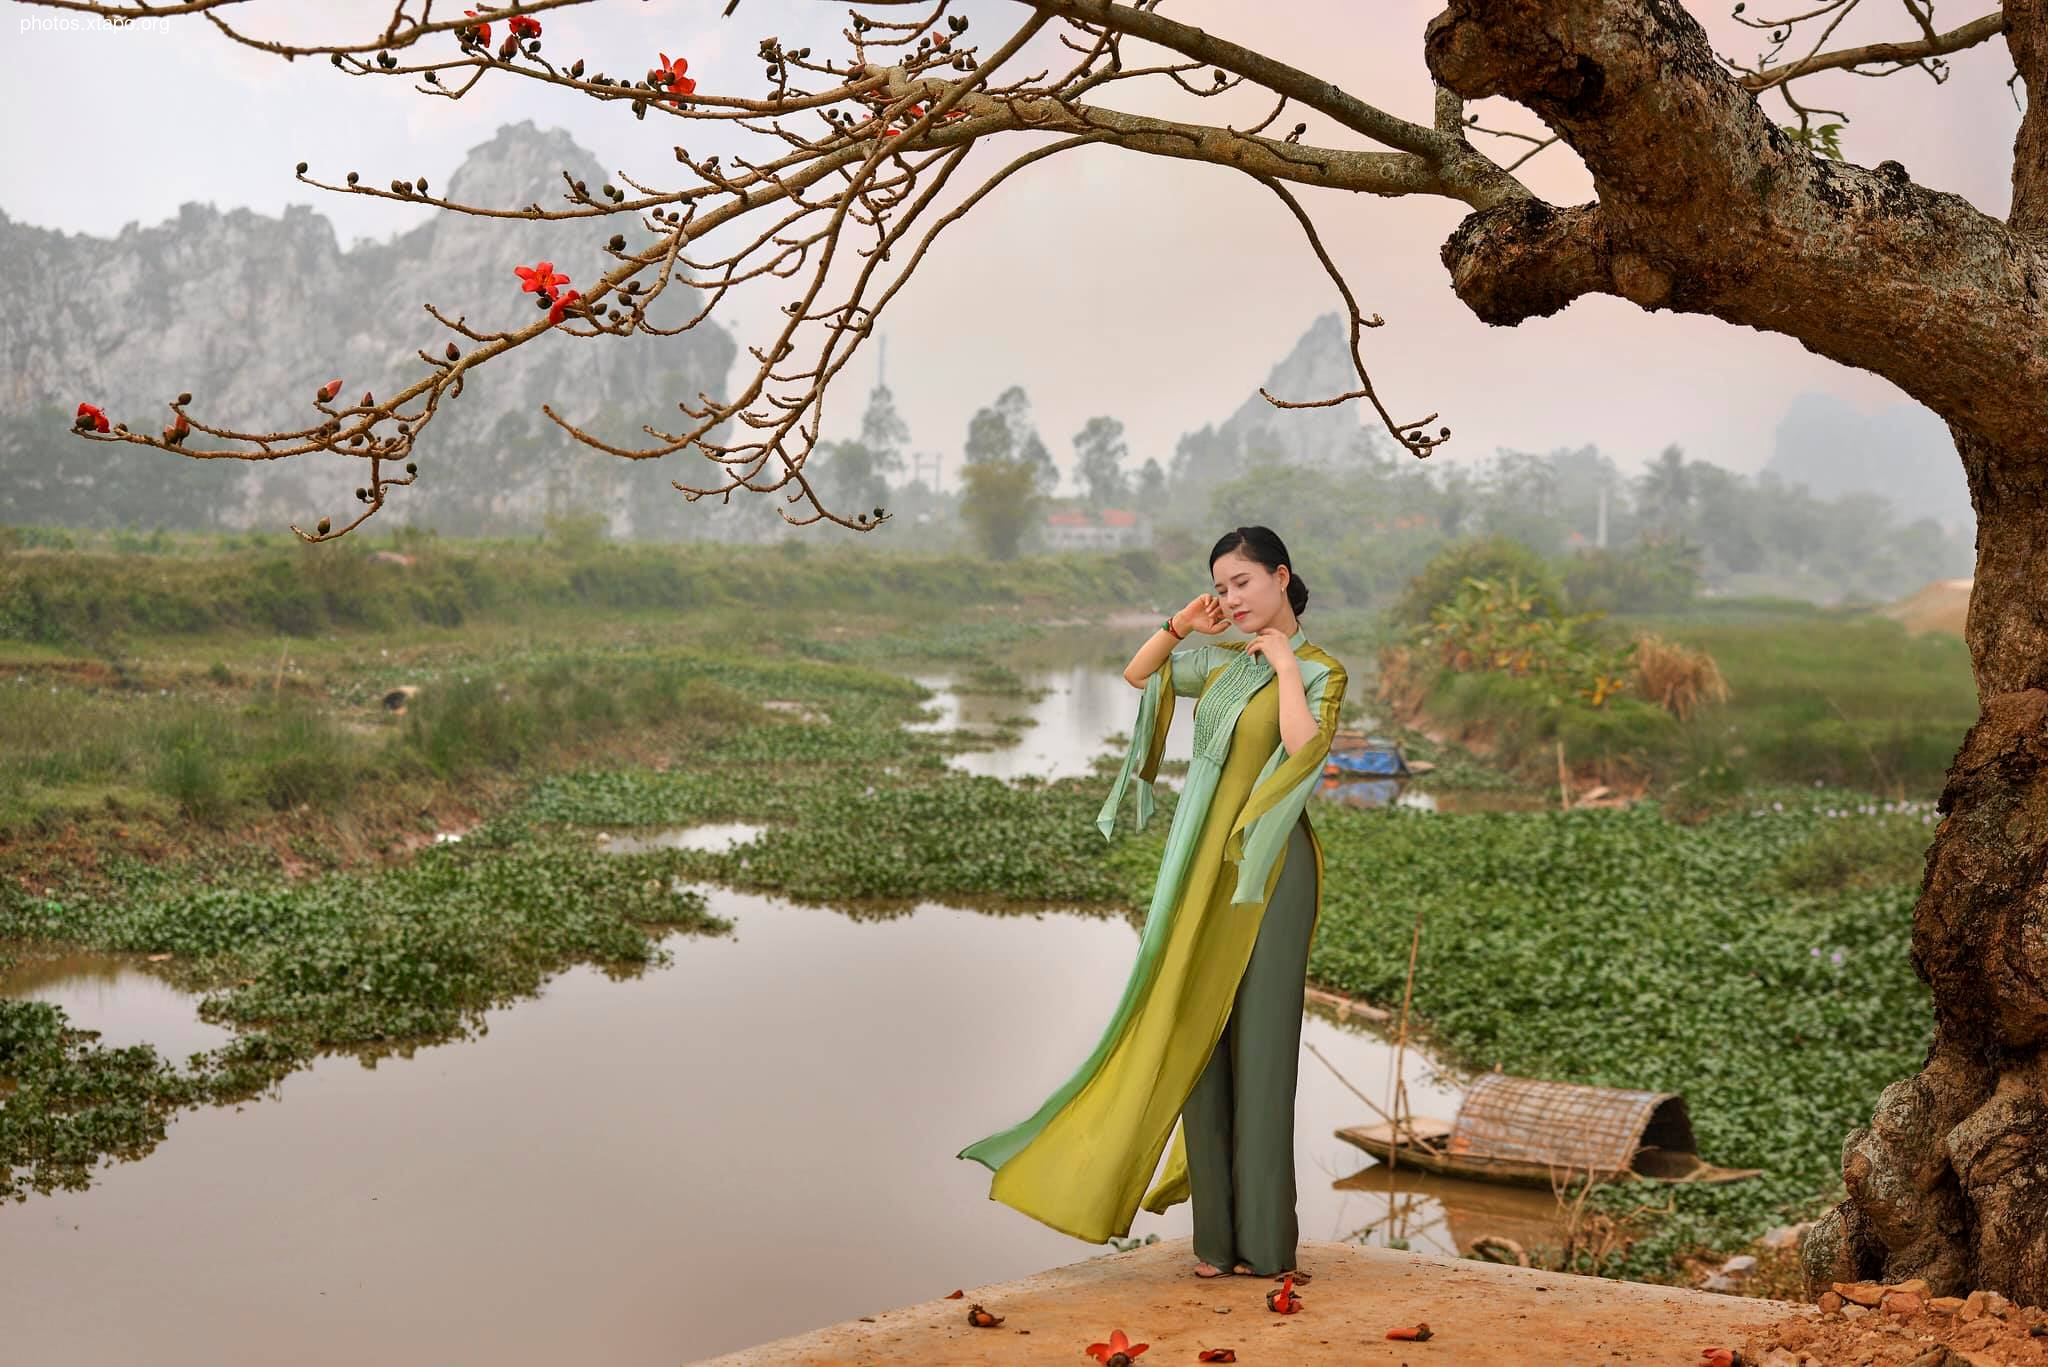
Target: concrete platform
(1482, 1314)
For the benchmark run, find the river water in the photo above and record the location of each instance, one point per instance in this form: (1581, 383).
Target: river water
(754, 1140)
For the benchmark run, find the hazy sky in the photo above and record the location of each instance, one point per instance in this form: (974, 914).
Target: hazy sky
(1104, 281)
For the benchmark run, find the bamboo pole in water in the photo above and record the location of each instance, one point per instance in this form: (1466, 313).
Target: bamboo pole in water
(1402, 1116)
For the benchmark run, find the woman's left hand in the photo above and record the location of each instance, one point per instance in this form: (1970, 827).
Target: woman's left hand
(1271, 644)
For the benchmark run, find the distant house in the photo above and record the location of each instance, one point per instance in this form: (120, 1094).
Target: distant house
(1111, 529)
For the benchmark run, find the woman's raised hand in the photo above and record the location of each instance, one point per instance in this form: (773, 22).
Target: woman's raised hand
(1204, 613)
(1273, 645)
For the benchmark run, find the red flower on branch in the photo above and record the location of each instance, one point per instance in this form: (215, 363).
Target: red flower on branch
(89, 416)
(540, 278)
(524, 26)
(671, 76)
(1117, 1345)
(561, 308)
(482, 31)
(326, 392)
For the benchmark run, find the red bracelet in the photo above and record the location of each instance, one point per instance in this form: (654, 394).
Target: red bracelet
(1171, 632)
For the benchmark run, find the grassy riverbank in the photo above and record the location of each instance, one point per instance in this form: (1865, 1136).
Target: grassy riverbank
(270, 831)
(1846, 699)
(217, 686)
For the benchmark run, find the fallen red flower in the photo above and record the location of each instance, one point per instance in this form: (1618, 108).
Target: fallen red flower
(524, 26)
(541, 277)
(1284, 1301)
(1419, 1332)
(561, 307)
(1103, 1352)
(1217, 1355)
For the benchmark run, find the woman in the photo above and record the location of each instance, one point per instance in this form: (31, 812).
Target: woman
(1209, 1026)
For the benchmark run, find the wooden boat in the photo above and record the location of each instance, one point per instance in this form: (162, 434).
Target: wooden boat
(1534, 1133)
(1356, 753)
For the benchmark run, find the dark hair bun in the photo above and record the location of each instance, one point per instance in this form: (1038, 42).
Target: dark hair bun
(1263, 546)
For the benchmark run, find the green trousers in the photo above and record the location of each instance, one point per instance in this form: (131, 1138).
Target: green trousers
(1238, 1123)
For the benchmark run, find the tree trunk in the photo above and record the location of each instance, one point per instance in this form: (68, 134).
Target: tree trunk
(1949, 1181)
(1705, 207)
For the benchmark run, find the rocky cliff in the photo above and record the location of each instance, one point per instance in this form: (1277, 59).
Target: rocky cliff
(1318, 367)
(252, 313)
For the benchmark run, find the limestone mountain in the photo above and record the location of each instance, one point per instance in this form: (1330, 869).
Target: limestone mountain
(1318, 366)
(1904, 453)
(252, 313)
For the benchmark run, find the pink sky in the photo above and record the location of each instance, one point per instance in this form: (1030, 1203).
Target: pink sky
(1105, 282)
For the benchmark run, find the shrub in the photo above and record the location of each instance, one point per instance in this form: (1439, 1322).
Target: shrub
(1649, 576)
(300, 756)
(189, 770)
(1493, 558)
(1502, 626)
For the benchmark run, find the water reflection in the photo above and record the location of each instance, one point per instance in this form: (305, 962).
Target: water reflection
(1450, 1214)
(755, 1140)
(1083, 711)
(715, 836)
(1070, 722)
(1406, 794)
(117, 996)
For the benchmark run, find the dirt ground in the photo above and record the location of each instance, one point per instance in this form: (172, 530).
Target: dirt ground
(1874, 1324)
(1481, 1314)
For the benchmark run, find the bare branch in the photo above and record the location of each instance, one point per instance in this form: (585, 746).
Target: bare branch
(1409, 434)
(1904, 54)
(846, 213)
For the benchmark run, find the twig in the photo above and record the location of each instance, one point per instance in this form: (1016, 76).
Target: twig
(1399, 1101)
(1394, 1127)
(1884, 777)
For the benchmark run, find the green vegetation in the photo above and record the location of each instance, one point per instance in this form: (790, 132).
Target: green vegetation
(1699, 704)
(203, 585)
(1755, 961)
(342, 961)
(1618, 948)
(1834, 697)
(517, 654)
